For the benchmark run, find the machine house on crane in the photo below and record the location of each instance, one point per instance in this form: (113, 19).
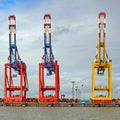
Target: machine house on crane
(51, 66)
(101, 65)
(15, 74)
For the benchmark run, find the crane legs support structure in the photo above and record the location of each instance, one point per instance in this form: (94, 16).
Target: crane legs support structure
(101, 93)
(10, 88)
(43, 87)
(108, 88)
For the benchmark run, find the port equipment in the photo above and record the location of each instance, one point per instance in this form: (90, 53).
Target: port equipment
(101, 65)
(15, 75)
(50, 65)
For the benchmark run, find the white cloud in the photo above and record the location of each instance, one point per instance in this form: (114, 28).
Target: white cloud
(74, 38)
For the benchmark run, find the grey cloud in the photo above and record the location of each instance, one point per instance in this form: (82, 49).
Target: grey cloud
(61, 30)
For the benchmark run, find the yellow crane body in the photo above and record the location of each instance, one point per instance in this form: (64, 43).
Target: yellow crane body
(100, 65)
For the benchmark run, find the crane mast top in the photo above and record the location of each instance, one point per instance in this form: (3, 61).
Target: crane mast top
(48, 56)
(101, 57)
(14, 58)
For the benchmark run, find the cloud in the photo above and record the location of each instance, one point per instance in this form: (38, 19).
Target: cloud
(74, 38)
(61, 30)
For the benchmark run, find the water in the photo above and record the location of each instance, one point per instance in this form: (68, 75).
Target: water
(59, 113)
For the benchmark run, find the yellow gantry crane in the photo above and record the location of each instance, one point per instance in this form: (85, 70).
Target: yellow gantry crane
(101, 65)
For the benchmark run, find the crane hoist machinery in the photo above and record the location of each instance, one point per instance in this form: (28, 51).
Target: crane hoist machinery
(15, 74)
(50, 65)
(101, 92)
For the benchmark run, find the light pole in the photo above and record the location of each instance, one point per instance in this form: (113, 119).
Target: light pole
(82, 96)
(73, 89)
(79, 93)
(76, 88)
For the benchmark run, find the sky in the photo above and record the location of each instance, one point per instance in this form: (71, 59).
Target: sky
(74, 40)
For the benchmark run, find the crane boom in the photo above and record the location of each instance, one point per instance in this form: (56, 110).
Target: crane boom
(14, 57)
(101, 56)
(48, 54)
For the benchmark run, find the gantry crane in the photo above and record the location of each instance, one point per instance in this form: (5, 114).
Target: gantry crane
(50, 64)
(15, 74)
(101, 65)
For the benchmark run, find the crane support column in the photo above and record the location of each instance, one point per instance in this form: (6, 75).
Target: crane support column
(101, 65)
(15, 75)
(50, 65)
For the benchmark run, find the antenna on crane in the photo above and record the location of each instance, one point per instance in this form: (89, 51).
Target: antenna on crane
(101, 64)
(14, 65)
(49, 64)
